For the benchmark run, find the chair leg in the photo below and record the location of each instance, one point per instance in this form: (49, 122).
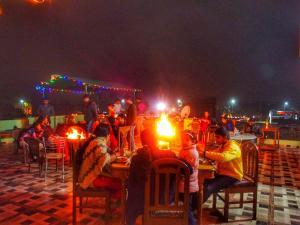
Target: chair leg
(56, 166)
(241, 200)
(80, 204)
(254, 205)
(46, 168)
(214, 206)
(226, 206)
(74, 209)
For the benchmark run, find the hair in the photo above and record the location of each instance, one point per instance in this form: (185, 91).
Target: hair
(148, 137)
(222, 132)
(102, 130)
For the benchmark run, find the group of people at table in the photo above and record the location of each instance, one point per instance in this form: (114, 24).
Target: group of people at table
(99, 151)
(96, 156)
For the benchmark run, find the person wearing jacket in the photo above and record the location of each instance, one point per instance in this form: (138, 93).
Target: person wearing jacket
(190, 155)
(229, 163)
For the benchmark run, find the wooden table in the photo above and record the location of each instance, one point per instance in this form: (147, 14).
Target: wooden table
(244, 137)
(205, 171)
(121, 171)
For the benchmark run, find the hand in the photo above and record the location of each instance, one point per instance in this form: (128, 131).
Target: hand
(113, 157)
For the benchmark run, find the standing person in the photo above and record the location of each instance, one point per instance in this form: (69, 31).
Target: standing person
(229, 163)
(131, 114)
(190, 155)
(45, 109)
(118, 107)
(90, 111)
(204, 125)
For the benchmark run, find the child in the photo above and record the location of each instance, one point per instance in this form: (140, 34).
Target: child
(189, 154)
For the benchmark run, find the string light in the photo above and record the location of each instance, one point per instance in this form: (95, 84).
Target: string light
(46, 86)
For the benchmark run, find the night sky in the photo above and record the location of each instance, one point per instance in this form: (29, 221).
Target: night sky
(243, 49)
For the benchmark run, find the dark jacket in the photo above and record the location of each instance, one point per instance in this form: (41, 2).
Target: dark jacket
(45, 110)
(90, 111)
(131, 115)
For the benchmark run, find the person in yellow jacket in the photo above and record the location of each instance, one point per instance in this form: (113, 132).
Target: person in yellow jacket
(229, 163)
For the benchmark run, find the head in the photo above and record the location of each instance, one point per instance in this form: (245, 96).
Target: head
(86, 99)
(110, 107)
(102, 130)
(129, 101)
(222, 135)
(45, 101)
(188, 139)
(118, 102)
(206, 115)
(37, 127)
(223, 119)
(43, 120)
(138, 99)
(148, 137)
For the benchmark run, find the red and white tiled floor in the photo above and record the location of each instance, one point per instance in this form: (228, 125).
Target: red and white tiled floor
(25, 198)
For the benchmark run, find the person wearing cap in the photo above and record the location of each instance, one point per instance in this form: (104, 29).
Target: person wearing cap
(45, 109)
(90, 112)
(229, 163)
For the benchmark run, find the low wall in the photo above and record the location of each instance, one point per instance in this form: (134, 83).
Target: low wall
(24, 122)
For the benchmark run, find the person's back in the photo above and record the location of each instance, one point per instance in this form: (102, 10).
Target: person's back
(139, 167)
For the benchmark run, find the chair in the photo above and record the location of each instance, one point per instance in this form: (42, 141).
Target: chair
(247, 185)
(33, 154)
(81, 193)
(122, 136)
(161, 206)
(55, 150)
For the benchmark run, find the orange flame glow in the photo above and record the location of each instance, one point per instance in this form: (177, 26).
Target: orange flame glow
(164, 127)
(74, 134)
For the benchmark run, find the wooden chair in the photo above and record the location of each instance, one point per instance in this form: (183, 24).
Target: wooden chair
(122, 136)
(247, 185)
(81, 193)
(161, 207)
(55, 150)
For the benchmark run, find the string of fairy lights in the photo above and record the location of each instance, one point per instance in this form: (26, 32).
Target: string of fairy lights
(77, 86)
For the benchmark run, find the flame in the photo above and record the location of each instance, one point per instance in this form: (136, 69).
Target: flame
(74, 134)
(164, 127)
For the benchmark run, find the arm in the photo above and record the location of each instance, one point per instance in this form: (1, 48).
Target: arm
(230, 152)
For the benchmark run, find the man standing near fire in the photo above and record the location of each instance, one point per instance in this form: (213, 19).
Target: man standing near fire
(90, 112)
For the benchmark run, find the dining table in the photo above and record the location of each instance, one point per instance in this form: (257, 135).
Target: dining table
(119, 170)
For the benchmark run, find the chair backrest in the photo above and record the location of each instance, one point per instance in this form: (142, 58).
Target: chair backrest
(162, 200)
(250, 161)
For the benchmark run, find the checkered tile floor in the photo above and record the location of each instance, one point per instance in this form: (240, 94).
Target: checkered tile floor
(25, 198)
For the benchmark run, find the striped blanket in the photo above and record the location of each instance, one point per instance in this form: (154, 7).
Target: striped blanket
(95, 157)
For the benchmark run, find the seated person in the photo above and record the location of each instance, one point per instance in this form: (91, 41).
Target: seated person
(35, 132)
(45, 124)
(229, 163)
(189, 154)
(140, 165)
(94, 161)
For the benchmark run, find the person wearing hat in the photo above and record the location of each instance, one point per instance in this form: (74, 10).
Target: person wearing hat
(229, 163)
(45, 109)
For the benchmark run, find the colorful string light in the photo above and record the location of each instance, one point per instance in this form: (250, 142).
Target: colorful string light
(47, 86)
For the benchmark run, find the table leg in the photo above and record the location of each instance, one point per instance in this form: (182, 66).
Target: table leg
(123, 202)
(200, 200)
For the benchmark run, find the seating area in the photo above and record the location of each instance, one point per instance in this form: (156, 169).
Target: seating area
(26, 198)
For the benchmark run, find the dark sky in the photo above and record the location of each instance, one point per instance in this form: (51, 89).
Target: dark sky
(247, 49)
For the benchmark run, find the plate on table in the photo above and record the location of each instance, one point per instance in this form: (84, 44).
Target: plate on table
(121, 159)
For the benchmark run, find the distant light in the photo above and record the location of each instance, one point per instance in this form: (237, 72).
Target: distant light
(286, 103)
(161, 106)
(173, 109)
(22, 101)
(232, 101)
(179, 102)
(123, 101)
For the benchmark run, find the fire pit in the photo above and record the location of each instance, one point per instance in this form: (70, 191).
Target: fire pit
(166, 132)
(76, 136)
